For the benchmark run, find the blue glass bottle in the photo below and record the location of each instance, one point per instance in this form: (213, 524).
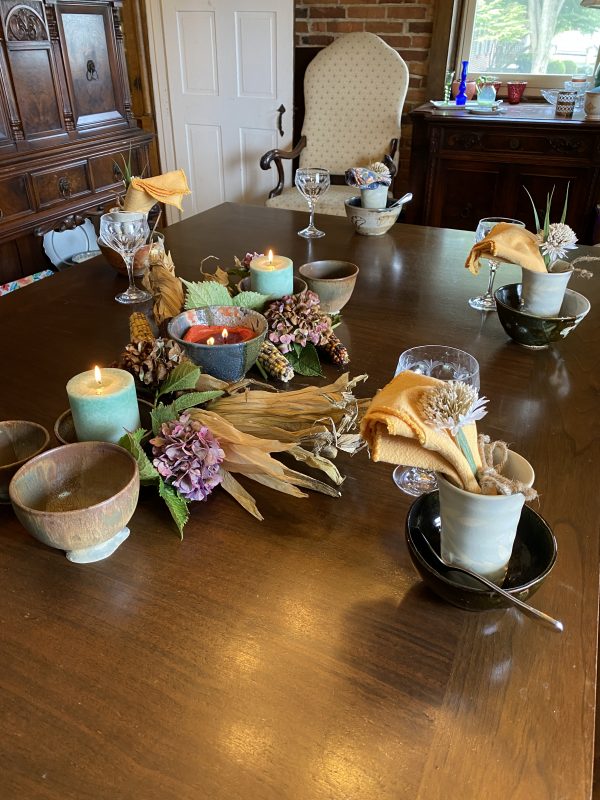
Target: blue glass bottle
(461, 96)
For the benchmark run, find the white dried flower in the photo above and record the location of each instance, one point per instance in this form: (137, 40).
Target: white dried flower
(451, 406)
(379, 168)
(560, 239)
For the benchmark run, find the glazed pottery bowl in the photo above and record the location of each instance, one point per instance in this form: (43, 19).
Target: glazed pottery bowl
(64, 427)
(228, 362)
(153, 250)
(332, 280)
(78, 498)
(20, 440)
(532, 559)
(371, 221)
(533, 331)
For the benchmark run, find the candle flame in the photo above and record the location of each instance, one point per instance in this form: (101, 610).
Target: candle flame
(224, 333)
(98, 375)
(270, 256)
(210, 340)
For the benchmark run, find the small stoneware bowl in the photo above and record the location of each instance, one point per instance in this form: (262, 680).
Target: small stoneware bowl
(533, 331)
(332, 280)
(371, 221)
(78, 498)
(228, 362)
(20, 440)
(299, 285)
(64, 428)
(532, 559)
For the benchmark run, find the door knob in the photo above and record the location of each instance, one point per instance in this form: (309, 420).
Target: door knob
(280, 113)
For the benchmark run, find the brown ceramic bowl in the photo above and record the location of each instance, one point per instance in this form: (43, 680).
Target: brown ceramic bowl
(19, 441)
(332, 280)
(77, 497)
(140, 260)
(64, 428)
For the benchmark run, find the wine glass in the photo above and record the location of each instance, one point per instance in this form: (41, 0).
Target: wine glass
(312, 182)
(126, 232)
(445, 364)
(449, 77)
(486, 302)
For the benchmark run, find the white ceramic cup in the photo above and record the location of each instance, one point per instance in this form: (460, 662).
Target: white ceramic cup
(478, 530)
(374, 198)
(543, 293)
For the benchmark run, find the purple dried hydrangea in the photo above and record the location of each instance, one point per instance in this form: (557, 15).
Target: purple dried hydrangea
(188, 457)
(248, 258)
(297, 319)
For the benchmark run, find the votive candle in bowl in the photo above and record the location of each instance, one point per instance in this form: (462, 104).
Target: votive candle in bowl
(272, 275)
(103, 404)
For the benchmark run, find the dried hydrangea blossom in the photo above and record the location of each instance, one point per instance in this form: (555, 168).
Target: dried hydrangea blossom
(188, 457)
(297, 319)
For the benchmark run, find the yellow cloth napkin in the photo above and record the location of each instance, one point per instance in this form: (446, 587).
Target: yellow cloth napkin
(511, 244)
(395, 432)
(169, 188)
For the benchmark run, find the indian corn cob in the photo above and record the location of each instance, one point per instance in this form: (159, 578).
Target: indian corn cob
(275, 363)
(139, 328)
(336, 351)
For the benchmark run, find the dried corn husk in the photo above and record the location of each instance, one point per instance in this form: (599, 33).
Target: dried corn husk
(217, 275)
(166, 289)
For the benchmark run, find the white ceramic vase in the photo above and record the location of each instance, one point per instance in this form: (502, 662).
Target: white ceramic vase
(477, 530)
(542, 293)
(374, 198)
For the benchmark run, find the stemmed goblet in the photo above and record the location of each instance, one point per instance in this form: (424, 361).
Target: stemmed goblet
(445, 364)
(486, 302)
(312, 182)
(126, 232)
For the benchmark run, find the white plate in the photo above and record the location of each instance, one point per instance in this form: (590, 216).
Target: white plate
(61, 246)
(451, 105)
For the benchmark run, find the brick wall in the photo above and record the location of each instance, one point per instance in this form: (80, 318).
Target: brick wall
(404, 26)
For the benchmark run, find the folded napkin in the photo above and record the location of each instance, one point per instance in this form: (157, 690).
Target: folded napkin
(395, 432)
(366, 178)
(511, 244)
(169, 188)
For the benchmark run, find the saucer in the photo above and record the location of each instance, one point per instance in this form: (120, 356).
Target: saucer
(532, 559)
(64, 427)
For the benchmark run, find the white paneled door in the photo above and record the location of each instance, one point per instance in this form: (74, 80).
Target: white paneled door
(222, 69)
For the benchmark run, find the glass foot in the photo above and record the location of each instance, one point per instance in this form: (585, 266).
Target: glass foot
(414, 481)
(311, 233)
(133, 295)
(484, 302)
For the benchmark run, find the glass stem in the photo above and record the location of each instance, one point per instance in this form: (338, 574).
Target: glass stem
(128, 259)
(493, 268)
(311, 208)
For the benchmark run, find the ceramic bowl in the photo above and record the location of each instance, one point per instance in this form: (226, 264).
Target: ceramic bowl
(228, 362)
(299, 285)
(19, 441)
(532, 559)
(332, 280)
(140, 259)
(78, 498)
(533, 331)
(371, 221)
(64, 427)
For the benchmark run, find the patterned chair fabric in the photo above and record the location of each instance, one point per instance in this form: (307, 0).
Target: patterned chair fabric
(354, 92)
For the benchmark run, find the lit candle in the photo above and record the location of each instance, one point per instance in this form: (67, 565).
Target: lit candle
(103, 404)
(272, 275)
(216, 334)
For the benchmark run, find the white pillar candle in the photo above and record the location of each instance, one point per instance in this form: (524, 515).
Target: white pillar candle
(272, 275)
(103, 404)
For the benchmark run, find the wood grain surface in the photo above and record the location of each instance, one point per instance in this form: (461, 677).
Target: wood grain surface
(301, 658)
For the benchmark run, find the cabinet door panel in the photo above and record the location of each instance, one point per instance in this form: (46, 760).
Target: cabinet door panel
(36, 90)
(14, 199)
(463, 193)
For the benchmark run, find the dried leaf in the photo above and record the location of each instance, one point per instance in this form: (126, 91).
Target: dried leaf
(166, 290)
(318, 462)
(237, 491)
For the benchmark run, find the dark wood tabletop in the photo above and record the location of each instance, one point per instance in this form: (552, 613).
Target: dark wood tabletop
(302, 658)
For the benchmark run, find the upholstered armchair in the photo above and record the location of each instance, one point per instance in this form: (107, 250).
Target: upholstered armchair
(354, 92)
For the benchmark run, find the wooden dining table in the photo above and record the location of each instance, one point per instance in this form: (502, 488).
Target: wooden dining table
(302, 657)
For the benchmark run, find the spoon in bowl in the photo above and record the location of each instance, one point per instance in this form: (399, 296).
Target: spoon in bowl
(555, 624)
(406, 198)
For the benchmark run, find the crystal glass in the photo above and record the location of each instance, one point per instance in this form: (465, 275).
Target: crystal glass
(449, 77)
(486, 302)
(126, 232)
(312, 182)
(445, 364)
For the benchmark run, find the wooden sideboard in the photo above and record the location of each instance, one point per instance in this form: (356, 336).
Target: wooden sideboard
(465, 167)
(65, 121)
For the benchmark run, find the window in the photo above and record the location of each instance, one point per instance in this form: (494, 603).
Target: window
(542, 41)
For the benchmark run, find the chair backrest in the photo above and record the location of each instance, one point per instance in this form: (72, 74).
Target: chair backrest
(354, 92)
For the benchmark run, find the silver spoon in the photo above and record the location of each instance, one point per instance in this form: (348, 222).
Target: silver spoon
(406, 198)
(555, 624)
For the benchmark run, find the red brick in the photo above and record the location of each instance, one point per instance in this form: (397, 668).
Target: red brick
(402, 12)
(320, 2)
(301, 26)
(387, 26)
(420, 27)
(327, 12)
(415, 55)
(420, 42)
(320, 26)
(345, 27)
(318, 41)
(366, 12)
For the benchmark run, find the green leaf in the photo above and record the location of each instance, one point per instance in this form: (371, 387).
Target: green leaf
(177, 505)
(254, 300)
(206, 293)
(307, 362)
(184, 376)
(535, 213)
(131, 443)
(547, 217)
(165, 413)
(564, 214)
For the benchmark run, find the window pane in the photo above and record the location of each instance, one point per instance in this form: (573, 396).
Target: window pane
(545, 37)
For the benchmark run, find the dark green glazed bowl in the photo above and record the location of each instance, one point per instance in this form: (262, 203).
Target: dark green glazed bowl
(535, 332)
(532, 559)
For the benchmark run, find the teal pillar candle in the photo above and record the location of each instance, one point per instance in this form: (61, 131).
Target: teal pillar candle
(104, 405)
(272, 275)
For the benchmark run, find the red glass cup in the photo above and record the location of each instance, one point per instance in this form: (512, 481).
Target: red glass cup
(515, 91)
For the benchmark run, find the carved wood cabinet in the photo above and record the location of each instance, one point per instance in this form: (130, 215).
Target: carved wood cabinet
(65, 121)
(465, 167)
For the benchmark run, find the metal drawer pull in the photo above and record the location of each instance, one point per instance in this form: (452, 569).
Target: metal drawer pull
(64, 187)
